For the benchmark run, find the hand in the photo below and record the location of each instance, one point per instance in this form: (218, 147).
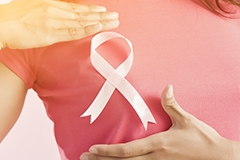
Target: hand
(37, 23)
(187, 139)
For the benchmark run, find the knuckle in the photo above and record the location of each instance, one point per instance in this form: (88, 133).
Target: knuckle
(188, 119)
(82, 22)
(125, 151)
(171, 102)
(103, 151)
(82, 16)
(104, 15)
(73, 33)
(87, 30)
(160, 142)
(162, 146)
(73, 6)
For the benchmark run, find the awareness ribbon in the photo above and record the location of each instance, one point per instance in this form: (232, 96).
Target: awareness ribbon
(115, 80)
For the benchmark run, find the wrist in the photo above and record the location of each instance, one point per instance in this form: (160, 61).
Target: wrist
(226, 150)
(235, 151)
(231, 150)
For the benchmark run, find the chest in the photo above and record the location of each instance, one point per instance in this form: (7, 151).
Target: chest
(173, 43)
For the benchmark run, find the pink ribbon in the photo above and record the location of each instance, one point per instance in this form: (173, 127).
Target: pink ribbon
(115, 79)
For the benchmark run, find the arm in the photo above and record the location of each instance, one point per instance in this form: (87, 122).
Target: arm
(187, 139)
(37, 23)
(12, 96)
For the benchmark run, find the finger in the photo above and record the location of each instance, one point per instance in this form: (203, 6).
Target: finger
(172, 108)
(125, 150)
(89, 156)
(97, 15)
(68, 34)
(88, 16)
(64, 14)
(77, 7)
(106, 24)
(110, 24)
(89, 30)
(72, 23)
(78, 33)
(68, 23)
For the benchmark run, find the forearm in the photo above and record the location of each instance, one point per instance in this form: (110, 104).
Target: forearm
(12, 95)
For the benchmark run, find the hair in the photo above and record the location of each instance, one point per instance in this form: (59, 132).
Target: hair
(225, 8)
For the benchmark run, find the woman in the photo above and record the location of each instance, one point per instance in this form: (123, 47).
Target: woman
(174, 42)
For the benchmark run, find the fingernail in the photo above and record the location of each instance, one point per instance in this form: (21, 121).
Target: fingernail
(101, 9)
(114, 15)
(170, 92)
(93, 150)
(114, 23)
(84, 157)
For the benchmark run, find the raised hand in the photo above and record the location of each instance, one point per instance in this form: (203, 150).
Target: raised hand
(187, 139)
(37, 23)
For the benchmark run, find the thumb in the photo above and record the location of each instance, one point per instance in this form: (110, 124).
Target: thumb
(172, 108)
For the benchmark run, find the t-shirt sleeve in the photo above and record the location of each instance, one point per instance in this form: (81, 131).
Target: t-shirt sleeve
(21, 63)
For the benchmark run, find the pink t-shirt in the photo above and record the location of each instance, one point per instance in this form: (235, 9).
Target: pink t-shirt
(174, 42)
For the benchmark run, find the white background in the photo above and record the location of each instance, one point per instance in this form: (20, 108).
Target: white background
(32, 136)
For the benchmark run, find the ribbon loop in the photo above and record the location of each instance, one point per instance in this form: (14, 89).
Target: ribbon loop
(115, 79)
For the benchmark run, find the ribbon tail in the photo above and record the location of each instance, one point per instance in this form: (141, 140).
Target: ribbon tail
(137, 102)
(99, 102)
(147, 118)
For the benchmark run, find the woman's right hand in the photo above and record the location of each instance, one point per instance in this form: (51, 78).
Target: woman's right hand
(37, 23)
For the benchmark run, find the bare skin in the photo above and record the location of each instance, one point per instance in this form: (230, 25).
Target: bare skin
(12, 96)
(44, 22)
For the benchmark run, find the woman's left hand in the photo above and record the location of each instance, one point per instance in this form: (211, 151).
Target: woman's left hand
(187, 139)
